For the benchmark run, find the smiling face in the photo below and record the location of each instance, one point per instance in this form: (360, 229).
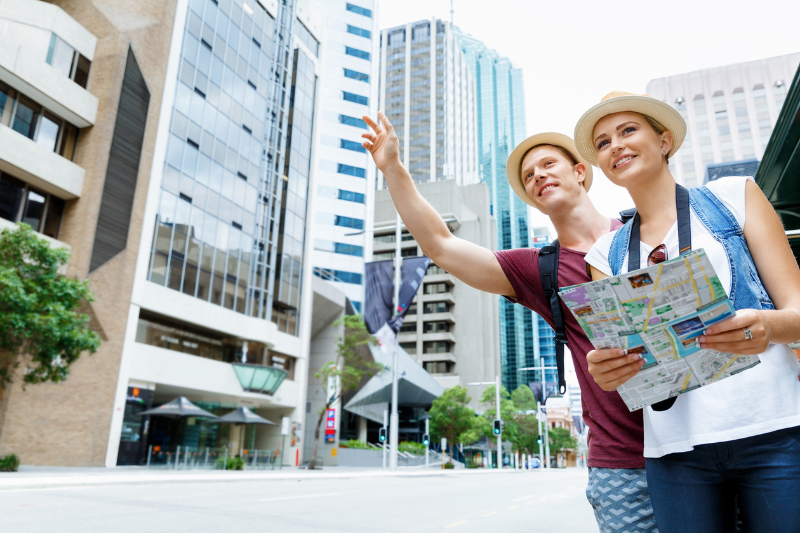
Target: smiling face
(629, 149)
(551, 178)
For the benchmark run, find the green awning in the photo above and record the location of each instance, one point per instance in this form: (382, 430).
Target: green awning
(779, 172)
(260, 379)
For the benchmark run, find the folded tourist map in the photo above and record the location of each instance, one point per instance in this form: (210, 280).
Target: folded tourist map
(659, 312)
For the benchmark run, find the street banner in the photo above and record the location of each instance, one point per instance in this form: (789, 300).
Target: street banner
(549, 389)
(541, 415)
(379, 291)
(578, 423)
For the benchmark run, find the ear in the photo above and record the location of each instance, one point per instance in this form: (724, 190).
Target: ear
(666, 142)
(580, 170)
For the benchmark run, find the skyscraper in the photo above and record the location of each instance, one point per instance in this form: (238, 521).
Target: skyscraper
(428, 94)
(346, 183)
(730, 111)
(500, 127)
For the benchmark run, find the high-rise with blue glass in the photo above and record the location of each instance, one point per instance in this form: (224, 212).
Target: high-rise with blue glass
(500, 127)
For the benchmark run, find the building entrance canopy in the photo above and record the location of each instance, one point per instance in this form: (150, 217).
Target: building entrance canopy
(415, 387)
(779, 172)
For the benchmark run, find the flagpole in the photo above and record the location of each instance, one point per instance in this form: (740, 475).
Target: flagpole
(394, 421)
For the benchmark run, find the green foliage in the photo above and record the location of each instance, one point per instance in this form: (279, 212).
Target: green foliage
(483, 424)
(417, 448)
(448, 466)
(354, 444)
(38, 309)
(560, 440)
(352, 365)
(233, 463)
(9, 463)
(519, 428)
(523, 399)
(452, 418)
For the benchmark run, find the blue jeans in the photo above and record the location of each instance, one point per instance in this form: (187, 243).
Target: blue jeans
(694, 491)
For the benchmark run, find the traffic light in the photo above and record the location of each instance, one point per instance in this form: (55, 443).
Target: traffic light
(498, 427)
(382, 435)
(539, 440)
(426, 439)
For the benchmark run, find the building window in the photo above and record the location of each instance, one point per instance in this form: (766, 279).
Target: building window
(435, 347)
(48, 47)
(338, 275)
(409, 328)
(30, 119)
(338, 248)
(19, 202)
(353, 146)
(434, 269)
(350, 196)
(356, 75)
(361, 32)
(437, 327)
(762, 113)
(359, 10)
(305, 36)
(409, 252)
(356, 98)
(352, 121)
(339, 220)
(436, 307)
(283, 362)
(409, 347)
(355, 52)
(412, 310)
(436, 288)
(171, 334)
(351, 170)
(383, 256)
(438, 367)
(743, 123)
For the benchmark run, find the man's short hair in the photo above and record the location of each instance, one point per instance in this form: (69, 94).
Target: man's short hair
(561, 149)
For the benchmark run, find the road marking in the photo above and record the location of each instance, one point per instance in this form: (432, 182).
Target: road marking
(524, 498)
(299, 497)
(454, 524)
(489, 514)
(513, 507)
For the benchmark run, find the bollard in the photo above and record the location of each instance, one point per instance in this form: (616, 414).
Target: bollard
(255, 459)
(149, 453)
(178, 458)
(186, 458)
(205, 465)
(225, 461)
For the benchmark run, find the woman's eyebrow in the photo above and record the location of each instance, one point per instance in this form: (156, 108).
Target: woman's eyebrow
(617, 128)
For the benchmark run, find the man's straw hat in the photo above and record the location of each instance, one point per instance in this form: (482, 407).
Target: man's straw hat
(617, 102)
(515, 161)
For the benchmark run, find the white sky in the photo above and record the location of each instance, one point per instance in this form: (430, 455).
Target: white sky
(573, 52)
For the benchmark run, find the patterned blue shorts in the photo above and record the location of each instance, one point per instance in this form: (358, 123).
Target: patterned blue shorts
(620, 500)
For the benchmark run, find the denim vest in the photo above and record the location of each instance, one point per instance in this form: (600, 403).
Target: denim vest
(747, 291)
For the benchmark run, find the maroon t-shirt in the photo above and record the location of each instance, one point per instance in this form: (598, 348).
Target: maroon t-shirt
(616, 439)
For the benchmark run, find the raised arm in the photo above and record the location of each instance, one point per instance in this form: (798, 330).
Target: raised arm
(474, 265)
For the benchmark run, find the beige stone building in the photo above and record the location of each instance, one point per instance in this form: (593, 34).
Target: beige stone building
(451, 329)
(150, 138)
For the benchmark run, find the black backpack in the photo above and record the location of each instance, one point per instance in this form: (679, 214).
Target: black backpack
(548, 270)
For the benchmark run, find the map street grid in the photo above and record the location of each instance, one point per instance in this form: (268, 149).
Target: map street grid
(659, 312)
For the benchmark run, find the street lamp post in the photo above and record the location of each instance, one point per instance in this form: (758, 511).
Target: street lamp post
(497, 408)
(546, 443)
(394, 422)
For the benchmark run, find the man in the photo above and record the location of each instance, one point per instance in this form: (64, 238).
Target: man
(547, 173)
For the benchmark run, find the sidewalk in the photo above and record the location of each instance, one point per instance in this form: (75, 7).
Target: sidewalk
(45, 477)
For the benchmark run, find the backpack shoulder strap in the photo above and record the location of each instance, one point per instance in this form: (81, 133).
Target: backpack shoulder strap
(548, 270)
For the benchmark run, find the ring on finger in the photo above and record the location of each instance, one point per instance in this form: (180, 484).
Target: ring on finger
(748, 334)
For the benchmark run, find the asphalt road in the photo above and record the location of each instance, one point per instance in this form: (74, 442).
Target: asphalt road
(535, 501)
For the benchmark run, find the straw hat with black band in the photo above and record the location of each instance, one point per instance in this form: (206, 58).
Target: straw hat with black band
(514, 163)
(618, 102)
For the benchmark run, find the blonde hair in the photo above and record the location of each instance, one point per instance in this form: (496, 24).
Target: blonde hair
(657, 127)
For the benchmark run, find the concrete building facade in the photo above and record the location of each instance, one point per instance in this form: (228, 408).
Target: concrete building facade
(730, 111)
(185, 202)
(346, 174)
(451, 329)
(428, 94)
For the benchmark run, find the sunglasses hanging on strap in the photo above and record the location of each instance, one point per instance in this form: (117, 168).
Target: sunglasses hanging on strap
(659, 253)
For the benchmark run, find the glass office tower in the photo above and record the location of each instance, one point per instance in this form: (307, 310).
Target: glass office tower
(501, 126)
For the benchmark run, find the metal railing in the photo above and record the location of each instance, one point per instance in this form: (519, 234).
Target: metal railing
(208, 458)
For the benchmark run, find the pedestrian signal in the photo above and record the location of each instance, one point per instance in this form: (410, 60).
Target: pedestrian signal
(382, 435)
(498, 427)
(426, 439)
(539, 440)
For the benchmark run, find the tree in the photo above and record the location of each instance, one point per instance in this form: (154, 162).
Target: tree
(349, 368)
(561, 440)
(484, 424)
(38, 309)
(451, 417)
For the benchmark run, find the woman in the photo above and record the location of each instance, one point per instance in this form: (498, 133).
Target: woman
(739, 437)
